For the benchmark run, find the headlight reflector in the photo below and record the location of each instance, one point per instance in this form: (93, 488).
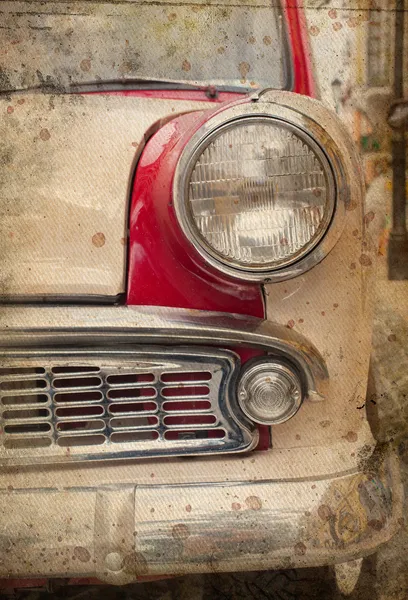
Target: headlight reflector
(258, 194)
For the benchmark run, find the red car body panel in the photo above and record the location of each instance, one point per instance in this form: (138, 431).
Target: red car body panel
(163, 269)
(161, 273)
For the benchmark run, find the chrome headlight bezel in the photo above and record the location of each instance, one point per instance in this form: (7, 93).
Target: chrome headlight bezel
(320, 142)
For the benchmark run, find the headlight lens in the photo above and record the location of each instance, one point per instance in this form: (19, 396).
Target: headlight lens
(258, 195)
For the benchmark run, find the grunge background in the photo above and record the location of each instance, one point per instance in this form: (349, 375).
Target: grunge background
(352, 51)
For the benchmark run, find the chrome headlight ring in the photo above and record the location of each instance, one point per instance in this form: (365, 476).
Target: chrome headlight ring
(322, 145)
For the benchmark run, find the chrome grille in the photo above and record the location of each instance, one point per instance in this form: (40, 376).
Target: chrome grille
(66, 405)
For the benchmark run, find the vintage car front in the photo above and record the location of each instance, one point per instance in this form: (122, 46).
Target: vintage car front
(186, 281)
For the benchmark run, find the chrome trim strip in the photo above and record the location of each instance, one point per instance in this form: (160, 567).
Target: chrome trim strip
(39, 326)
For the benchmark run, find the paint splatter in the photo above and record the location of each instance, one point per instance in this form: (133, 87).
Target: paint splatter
(324, 512)
(300, 549)
(98, 240)
(180, 531)
(45, 135)
(365, 260)
(244, 69)
(85, 65)
(350, 436)
(82, 554)
(253, 503)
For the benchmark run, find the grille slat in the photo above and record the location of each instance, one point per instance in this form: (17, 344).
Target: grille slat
(155, 402)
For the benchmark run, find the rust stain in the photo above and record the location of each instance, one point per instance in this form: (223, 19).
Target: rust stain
(392, 337)
(186, 66)
(350, 436)
(236, 506)
(353, 22)
(10, 110)
(45, 135)
(135, 144)
(325, 424)
(314, 30)
(267, 40)
(251, 40)
(188, 508)
(290, 324)
(244, 69)
(352, 265)
(98, 240)
(21, 101)
(323, 313)
(365, 260)
(221, 50)
(82, 554)
(301, 321)
(253, 503)
(85, 65)
(332, 13)
(180, 531)
(369, 217)
(135, 563)
(324, 512)
(337, 26)
(300, 549)
(172, 17)
(376, 524)
(123, 241)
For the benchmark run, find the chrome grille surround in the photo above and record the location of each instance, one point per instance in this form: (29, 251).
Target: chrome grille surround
(67, 405)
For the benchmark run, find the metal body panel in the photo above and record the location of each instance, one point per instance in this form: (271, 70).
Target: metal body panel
(162, 270)
(67, 163)
(332, 305)
(120, 532)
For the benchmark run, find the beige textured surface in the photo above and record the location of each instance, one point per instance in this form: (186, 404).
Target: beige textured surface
(66, 164)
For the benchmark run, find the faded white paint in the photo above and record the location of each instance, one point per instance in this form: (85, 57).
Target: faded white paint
(66, 166)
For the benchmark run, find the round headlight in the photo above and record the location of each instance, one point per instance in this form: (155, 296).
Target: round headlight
(258, 195)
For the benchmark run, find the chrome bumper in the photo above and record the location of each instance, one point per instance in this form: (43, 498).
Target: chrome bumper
(121, 532)
(103, 326)
(46, 340)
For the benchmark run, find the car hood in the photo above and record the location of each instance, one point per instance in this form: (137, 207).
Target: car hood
(66, 166)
